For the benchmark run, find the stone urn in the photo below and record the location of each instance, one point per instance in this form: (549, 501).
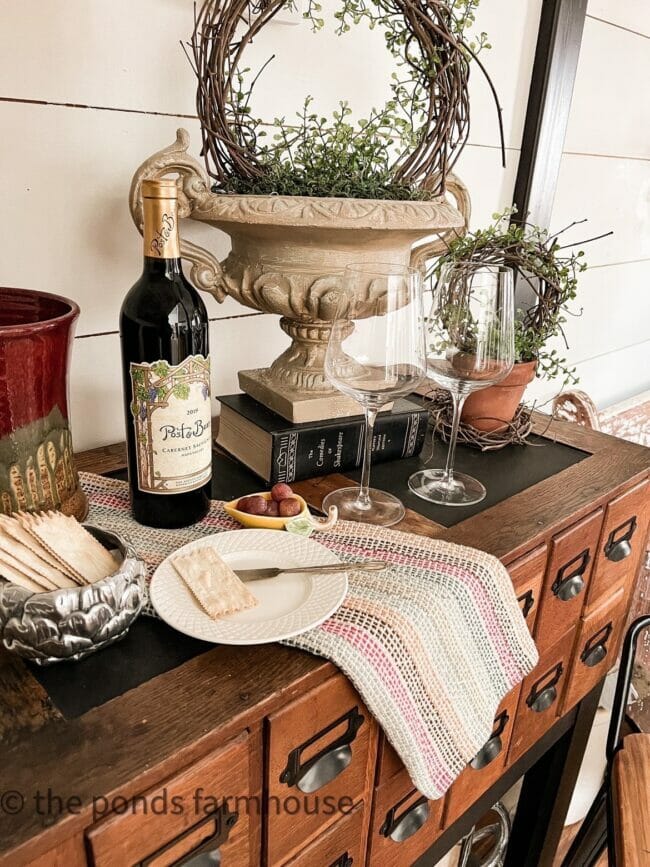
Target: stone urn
(288, 255)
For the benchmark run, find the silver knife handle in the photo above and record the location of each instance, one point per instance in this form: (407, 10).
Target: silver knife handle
(361, 566)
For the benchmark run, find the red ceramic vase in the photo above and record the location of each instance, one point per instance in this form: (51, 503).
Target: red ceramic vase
(37, 469)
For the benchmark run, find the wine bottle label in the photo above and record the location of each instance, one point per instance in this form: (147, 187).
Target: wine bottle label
(171, 415)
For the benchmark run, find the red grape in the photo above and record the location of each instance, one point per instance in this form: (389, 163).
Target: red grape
(281, 492)
(254, 505)
(289, 507)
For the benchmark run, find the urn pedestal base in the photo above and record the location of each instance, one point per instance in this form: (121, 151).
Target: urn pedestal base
(295, 406)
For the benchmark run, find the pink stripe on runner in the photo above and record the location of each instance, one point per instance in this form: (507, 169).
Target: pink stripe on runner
(494, 628)
(392, 680)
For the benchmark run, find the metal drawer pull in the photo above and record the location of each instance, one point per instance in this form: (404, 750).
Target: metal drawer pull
(491, 749)
(206, 853)
(595, 650)
(528, 602)
(544, 692)
(400, 828)
(322, 768)
(344, 861)
(570, 578)
(618, 545)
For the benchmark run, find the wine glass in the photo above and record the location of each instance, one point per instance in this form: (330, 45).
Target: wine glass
(375, 354)
(470, 345)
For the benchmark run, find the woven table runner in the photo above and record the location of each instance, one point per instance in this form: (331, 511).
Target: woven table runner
(432, 645)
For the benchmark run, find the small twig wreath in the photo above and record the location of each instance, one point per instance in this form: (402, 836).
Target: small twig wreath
(515, 432)
(430, 103)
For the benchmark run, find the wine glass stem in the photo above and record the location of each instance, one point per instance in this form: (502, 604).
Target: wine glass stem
(458, 400)
(363, 500)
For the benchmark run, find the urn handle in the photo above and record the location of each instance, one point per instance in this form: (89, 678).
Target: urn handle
(423, 252)
(193, 189)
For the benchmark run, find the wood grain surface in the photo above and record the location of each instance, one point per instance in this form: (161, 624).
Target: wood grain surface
(24, 704)
(631, 793)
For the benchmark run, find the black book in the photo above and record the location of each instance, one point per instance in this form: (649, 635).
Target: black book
(280, 451)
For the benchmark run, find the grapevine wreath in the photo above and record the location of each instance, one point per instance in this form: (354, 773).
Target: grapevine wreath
(403, 150)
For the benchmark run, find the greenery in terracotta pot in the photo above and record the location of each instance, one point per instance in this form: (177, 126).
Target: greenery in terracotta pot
(546, 281)
(402, 150)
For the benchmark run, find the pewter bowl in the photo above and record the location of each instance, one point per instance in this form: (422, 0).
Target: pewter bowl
(74, 622)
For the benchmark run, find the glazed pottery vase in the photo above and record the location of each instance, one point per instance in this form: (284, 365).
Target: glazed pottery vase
(288, 255)
(37, 468)
(492, 409)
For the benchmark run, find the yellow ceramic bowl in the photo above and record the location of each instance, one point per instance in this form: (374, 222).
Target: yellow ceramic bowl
(261, 522)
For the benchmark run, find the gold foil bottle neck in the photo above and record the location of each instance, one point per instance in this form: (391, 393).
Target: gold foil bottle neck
(160, 207)
(159, 188)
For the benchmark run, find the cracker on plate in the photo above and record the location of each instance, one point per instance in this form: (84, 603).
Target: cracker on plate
(213, 583)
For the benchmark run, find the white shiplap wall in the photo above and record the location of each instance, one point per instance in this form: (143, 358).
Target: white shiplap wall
(605, 177)
(88, 90)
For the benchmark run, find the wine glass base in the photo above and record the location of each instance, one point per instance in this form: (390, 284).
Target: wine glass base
(383, 509)
(431, 485)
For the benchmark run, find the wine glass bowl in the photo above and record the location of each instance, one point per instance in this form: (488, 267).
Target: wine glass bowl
(375, 359)
(470, 346)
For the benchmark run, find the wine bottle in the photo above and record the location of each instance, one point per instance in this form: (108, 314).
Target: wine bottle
(166, 371)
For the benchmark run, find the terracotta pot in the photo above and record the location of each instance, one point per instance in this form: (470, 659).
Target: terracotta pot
(491, 409)
(37, 469)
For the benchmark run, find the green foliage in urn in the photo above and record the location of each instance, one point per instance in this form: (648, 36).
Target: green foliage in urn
(401, 150)
(546, 280)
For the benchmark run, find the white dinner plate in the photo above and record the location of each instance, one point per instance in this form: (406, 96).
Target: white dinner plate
(288, 604)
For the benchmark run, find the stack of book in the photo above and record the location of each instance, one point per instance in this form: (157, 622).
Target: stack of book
(280, 451)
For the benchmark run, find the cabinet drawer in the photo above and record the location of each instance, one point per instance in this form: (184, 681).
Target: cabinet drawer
(566, 581)
(541, 697)
(342, 845)
(527, 574)
(321, 760)
(622, 542)
(184, 815)
(596, 648)
(404, 823)
(488, 764)
(388, 762)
